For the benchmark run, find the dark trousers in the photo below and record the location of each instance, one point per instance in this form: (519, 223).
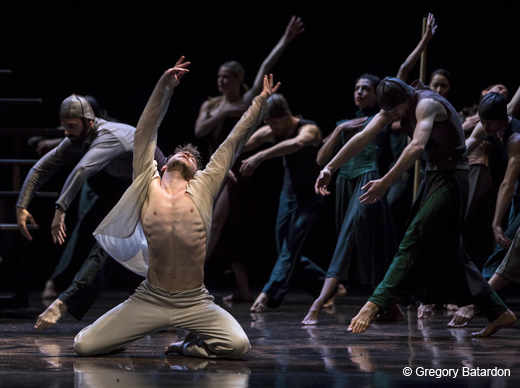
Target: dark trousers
(91, 279)
(293, 223)
(431, 261)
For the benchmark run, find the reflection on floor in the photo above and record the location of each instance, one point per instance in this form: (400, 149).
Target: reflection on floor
(283, 354)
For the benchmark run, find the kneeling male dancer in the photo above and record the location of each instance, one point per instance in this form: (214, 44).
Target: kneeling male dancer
(160, 228)
(431, 261)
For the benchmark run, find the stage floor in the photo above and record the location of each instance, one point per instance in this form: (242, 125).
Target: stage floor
(283, 354)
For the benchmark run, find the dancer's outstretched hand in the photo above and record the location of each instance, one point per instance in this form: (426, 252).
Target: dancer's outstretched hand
(294, 28)
(268, 86)
(179, 69)
(323, 182)
(22, 216)
(375, 191)
(431, 27)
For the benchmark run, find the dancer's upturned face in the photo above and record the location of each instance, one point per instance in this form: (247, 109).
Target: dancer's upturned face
(227, 81)
(184, 162)
(498, 88)
(364, 94)
(440, 85)
(75, 129)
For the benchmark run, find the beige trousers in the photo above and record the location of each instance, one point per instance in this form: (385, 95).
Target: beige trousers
(214, 333)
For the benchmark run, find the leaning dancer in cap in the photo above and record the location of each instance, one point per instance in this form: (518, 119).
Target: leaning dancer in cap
(160, 228)
(430, 262)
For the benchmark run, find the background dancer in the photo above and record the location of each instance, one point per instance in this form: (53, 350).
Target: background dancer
(423, 265)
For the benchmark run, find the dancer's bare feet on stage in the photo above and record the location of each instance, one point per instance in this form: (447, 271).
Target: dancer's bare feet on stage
(341, 291)
(424, 311)
(393, 314)
(462, 317)
(237, 297)
(451, 307)
(506, 319)
(260, 304)
(312, 316)
(49, 292)
(364, 318)
(177, 347)
(51, 315)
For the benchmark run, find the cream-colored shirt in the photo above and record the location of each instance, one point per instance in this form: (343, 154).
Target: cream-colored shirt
(120, 233)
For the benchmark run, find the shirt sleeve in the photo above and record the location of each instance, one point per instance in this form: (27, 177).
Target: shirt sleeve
(45, 168)
(146, 132)
(216, 170)
(105, 148)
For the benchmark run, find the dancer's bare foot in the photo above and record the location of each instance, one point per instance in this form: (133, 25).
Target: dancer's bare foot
(260, 304)
(393, 314)
(312, 316)
(341, 291)
(51, 315)
(424, 311)
(364, 318)
(177, 347)
(451, 307)
(463, 316)
(506, 319)
(49, 292)
(237, 297)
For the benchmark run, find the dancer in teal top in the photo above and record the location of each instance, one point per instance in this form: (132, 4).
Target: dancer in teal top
(366, 242)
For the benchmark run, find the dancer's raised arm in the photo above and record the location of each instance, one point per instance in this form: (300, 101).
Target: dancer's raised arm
(409, 63)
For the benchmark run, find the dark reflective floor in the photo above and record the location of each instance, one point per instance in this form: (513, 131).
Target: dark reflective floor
(283, 354)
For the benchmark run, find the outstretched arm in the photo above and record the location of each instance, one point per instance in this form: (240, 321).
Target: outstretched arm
(333, 141)
(215, 172)
(293, 29)
(514, 105)
(407, 66)
(261, 136)
(354, 146)
(506, 190)
(426, 113)
(146, 132)
(308, 135)
(477, 136)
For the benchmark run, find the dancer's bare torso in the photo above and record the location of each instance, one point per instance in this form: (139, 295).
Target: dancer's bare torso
(176, 239)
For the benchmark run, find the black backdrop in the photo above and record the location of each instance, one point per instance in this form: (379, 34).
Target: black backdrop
(116, 51)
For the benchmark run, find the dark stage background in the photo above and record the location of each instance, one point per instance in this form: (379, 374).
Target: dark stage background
(116, 51)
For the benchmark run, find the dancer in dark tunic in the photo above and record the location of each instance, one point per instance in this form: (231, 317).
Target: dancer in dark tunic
(493, 112)
(217, 117)
(297, 140)
(435, 271)
(366, 241)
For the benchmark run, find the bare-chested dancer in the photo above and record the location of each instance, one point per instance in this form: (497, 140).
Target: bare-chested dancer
(430, 262)
(161, 226)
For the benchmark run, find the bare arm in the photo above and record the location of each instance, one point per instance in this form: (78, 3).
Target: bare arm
(506, 191)
(514, 105)
(308, 135)
(426, 113)
(216, 170)
(354, 146)
(407, 66)
(477, 136)
(333, 141)
(293, 29)
(262, 135)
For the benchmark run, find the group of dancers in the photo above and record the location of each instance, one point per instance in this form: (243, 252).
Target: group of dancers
(167, 214)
